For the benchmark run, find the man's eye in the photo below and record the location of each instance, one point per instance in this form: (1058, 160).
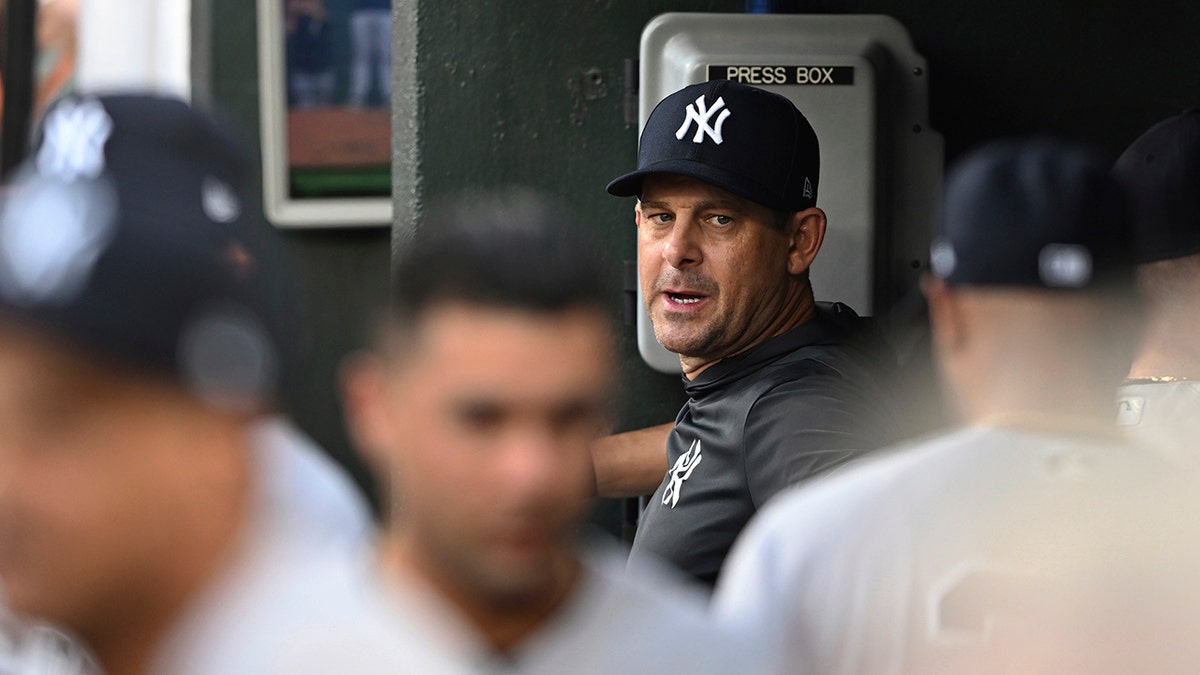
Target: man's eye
(659, 217)
(721, 220)
(479, 417)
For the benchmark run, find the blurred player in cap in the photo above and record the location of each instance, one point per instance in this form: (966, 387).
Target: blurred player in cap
(1159, 404)
(146, 502)
(1032, 539)
(780, 387)
(478, 402)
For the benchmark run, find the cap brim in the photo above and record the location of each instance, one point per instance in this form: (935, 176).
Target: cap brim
(630, 185)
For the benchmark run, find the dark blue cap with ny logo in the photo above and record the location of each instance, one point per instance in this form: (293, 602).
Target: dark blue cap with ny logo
(748, 141)
(133, 230)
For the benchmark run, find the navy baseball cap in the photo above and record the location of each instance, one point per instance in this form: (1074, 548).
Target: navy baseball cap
(132, 230)
(1036, 213)
(747, 141)
(1161, 170)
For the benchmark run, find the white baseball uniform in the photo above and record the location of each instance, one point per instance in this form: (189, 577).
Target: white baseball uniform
(302, 487)
(1163, 416)
(984, 549)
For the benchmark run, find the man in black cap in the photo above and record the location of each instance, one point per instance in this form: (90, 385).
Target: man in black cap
(1159, 404)
(139, 357)
(1013, 543)
(780, 388)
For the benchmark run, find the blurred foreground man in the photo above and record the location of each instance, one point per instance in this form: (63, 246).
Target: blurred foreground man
(150, 501)
(1032, 539)
(489, 380)
(1159, 404)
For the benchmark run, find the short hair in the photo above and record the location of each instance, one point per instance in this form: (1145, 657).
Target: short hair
(510, 248)
(780, 218)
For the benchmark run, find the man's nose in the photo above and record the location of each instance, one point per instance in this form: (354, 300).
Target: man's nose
(681, 248)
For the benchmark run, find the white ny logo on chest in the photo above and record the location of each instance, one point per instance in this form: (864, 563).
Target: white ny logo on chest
(684, 466)
(698, 113)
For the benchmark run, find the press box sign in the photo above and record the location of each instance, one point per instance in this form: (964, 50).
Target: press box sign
(811, 75)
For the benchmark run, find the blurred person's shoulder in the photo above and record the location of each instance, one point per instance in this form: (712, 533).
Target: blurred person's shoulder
(302, 488)
(1163, 416)
(294, 607)
(644, 618)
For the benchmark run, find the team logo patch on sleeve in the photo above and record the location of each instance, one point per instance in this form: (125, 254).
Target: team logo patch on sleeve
(684, 466)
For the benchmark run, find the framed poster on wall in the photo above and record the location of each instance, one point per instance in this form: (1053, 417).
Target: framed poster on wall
(325, 105)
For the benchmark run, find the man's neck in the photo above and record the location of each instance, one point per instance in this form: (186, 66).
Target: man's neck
(1169, 345)
(130, 654)
(1088, 426)
(130, 645)
(1167, 357)
(138, 624)
(799, 308)
(504, 623)
(1062, 406)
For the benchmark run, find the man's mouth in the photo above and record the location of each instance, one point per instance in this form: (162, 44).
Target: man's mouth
(683, 298)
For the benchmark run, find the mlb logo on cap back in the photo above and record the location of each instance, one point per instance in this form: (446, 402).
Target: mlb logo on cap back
(750, 142)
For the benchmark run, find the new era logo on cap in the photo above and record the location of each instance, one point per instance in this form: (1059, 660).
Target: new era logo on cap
(750, 142)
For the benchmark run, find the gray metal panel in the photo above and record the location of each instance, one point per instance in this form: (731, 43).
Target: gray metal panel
(880, 164)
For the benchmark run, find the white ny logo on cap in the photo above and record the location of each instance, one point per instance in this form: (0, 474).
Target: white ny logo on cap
(74, 142)
(701, 115)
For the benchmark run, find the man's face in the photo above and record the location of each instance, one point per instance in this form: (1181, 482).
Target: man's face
(714, 267)
(483, 418)
(101, 486)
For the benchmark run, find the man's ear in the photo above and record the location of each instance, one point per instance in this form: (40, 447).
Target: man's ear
(946, 325)
(805, 231)
(361, 376)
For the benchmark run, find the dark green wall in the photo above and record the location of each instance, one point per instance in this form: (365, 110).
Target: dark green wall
(507, 95)
(342, 273)
(531, 92)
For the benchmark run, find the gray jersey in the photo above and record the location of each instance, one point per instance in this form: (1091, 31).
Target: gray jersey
(640, 621)
(303, 490)
(984, 548)
(758, 422)
(287, 607)
(1163, 416)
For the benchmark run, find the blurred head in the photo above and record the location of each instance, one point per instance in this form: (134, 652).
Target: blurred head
(1161, 170)
(727, 218)
(136, 344)
(1031, 276)
(118, 487)
(487, 384)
